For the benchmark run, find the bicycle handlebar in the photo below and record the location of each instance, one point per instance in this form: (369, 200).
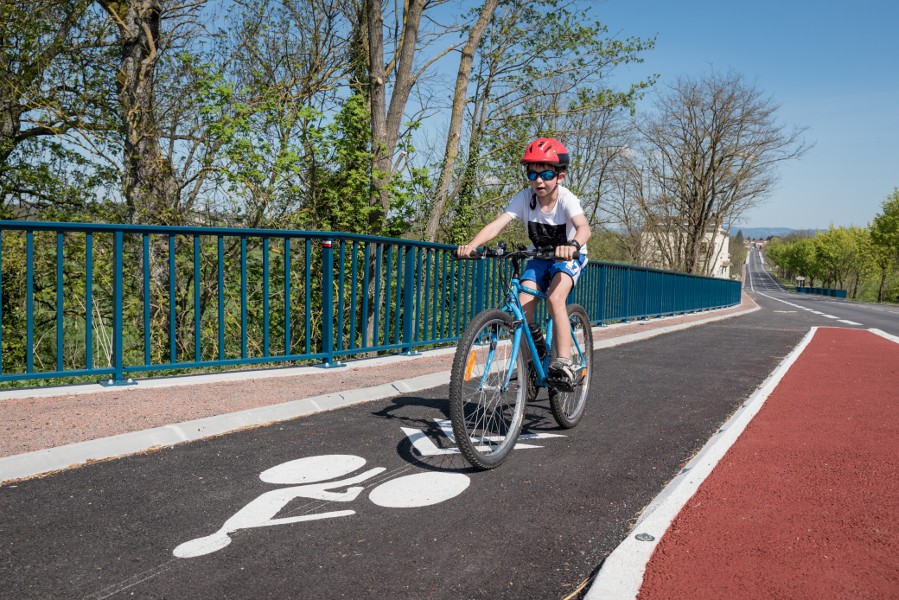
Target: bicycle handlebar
(545, 253)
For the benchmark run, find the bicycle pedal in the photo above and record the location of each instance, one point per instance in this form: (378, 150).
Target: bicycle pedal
(562, 385)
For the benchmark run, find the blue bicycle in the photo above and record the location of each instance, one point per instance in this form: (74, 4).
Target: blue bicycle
(493, 379)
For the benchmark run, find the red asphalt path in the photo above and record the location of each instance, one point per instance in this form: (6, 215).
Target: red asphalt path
(805, 503)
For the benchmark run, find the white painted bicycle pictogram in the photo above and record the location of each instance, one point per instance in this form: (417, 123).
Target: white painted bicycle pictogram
(311, 478)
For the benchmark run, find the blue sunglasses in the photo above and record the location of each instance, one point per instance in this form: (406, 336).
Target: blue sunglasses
(547, 175)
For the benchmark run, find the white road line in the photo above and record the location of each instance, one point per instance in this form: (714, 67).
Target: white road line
(810, 310)
(884, 335)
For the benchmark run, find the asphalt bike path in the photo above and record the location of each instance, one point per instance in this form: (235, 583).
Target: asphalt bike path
(351, 503)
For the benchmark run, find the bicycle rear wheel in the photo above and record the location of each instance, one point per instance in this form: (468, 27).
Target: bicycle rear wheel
(486, 416)
(568, 406)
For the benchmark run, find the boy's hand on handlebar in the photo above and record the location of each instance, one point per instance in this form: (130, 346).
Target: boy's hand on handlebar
(464, 251)
(566, 252)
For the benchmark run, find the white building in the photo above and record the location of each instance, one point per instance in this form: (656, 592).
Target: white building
(714, 251)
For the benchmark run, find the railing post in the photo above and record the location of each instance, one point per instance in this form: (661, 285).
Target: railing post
(601, 313)
(409, 295)
(626, 296)
(118, 360)
(328, 305)
(29, 301)
(480, 286)
(1, 303)
(60, 305)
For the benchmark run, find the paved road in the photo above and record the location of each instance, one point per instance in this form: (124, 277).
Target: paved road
(340, 505)
(836, 312)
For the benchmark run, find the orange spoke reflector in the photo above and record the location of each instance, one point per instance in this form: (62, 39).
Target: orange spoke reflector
(469, 366)
(583, 372)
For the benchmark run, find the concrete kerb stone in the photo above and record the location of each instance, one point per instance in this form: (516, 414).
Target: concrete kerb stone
(422, 382)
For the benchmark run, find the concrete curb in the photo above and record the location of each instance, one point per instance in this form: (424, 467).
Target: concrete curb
(71, 455)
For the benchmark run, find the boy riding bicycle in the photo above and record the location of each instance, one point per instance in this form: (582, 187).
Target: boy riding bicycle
(553, 217)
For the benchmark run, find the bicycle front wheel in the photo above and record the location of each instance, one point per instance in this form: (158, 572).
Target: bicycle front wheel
(568, 406)
(486, 414)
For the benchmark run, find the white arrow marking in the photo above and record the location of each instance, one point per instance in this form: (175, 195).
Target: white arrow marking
(423, 444)
(446, 426)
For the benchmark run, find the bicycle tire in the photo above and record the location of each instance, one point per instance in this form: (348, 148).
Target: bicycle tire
(568, 407)
(487, 419)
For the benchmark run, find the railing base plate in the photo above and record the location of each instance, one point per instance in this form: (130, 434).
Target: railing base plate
(333, 365)
(115, 383)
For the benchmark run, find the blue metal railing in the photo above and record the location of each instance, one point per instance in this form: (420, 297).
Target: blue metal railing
(834, 293)
(117, 300)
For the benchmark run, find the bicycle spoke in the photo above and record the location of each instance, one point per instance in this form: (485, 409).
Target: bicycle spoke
(485, 411)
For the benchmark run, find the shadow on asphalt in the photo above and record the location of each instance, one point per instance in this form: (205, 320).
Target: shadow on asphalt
(422, 414)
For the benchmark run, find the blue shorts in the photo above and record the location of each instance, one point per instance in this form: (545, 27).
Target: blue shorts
(542, 272)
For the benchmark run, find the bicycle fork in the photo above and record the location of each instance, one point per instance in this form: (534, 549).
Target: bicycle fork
(491, 356)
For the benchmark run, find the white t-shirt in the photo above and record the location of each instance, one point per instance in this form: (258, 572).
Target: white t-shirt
(547, 229)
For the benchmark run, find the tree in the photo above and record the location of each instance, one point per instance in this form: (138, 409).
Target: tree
(541, 69)
(149, 185)
(835, 251)
(386, 118)
(622, 208)
(33, 36)
(52, 85)
(737, 248)
(885, 238)
(711, 151)
(460, 100)
(796, 257)
(862, 263)
(272, 96)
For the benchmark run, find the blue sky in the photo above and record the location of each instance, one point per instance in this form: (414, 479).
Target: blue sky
(833, 67)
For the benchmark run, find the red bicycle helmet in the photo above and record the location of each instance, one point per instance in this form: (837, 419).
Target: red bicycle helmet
(546, 150)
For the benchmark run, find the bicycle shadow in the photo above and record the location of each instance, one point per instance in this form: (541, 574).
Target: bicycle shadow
(427, 442)
(437, 408)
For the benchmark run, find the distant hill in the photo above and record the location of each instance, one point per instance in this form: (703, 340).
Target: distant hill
(763, 233)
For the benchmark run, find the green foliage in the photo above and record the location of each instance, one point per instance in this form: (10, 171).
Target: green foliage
(54, 86)
(885, 229)
(542, 69)
(53, 182)
(608, 246)
(340, 198)
(262, 172)
(859, 260)
(885, 248)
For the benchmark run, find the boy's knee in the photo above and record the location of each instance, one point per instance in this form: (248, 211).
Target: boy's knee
(557, 298)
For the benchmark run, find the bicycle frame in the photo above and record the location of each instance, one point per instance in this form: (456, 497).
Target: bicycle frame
(513, 307)
(487, 411)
